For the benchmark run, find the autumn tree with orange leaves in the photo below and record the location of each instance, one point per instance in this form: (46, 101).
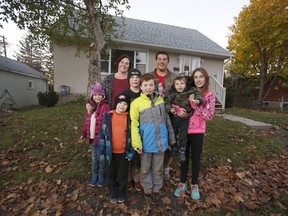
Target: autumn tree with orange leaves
(259, 43)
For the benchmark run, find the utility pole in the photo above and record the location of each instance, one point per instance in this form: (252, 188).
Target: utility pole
(4, 45)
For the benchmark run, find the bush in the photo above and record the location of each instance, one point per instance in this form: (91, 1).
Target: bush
(48, 99)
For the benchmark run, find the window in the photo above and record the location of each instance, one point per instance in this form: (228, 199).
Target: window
(189, 63)
(30, 84)
(109, 60)
(105, 57)
(265, 103)
(140, 61)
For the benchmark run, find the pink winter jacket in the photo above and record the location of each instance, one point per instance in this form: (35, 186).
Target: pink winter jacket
(197, 123)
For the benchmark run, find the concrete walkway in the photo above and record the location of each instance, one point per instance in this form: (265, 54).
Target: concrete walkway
(246, 121)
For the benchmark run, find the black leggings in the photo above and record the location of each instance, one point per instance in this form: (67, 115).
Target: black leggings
(194, 146)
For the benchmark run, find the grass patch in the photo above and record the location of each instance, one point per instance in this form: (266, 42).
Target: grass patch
(274, 118)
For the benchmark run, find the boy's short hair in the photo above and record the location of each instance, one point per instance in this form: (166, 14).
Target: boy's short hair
(162, 53)
(180, 78)
(146, 77)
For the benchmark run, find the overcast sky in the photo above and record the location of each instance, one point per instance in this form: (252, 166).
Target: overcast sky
(210, 17)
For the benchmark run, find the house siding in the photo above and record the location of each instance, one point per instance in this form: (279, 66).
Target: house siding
(72, 70)
(17, 86)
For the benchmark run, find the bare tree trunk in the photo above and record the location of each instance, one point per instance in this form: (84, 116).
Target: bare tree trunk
(94, 68)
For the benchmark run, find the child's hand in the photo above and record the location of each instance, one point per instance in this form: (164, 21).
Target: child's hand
(173, 110)
(183, 113)
(89, 108)
(139, 151)
(196, 102)
(192, 98)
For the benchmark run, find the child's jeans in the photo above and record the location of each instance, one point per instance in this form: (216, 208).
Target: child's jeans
(98, 165)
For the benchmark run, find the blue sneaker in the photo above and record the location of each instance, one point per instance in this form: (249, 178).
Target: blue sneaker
(94, 181)
(101, 181)
(195, 192)
(181, 188)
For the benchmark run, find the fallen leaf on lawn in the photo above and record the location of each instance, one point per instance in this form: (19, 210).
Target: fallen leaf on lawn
(29, 181)
(44, 212)
(75, 128)
(252, 206)
(5, 163)
(123, 207)
(192, 207)
(228, 160)
(59, 210)
(57, 139)
(59, 181)
(166, 200)
(238, 198)
(74, 195)
(240, 174)
(87, 207)
(30, 210)
(133, 200)
(147, 210)
(49, 169)
(101, 212)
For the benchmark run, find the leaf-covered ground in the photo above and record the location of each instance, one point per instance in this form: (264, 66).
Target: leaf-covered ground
(45, 170)
(224, 189)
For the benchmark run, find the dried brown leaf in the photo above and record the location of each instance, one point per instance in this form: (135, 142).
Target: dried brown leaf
(251, 206)
(5, 163)
(166, 200)
(59, 210)
(49, 169)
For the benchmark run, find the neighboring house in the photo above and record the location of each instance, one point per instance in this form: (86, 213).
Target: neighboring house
(277, 96)
(19, 84)
(141, 40)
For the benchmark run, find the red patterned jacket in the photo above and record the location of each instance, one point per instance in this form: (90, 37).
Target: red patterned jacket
(102, 108)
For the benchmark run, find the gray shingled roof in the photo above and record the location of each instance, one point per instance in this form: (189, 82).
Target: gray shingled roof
(11, 65)
(172, 37)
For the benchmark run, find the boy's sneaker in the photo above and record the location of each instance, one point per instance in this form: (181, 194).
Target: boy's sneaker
(121, 198)
(166, 174)
(113, 200)
(94, 180)
(156, 196)
(138, 186)
(147, 197)
(182, 154)
(101, 181)
(195, 192)
(174, 150)
(129, 185)
(181, 188)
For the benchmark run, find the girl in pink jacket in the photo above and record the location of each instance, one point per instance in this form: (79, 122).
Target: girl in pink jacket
(196, 132)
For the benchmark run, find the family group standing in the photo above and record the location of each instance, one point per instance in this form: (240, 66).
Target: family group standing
(133, 143)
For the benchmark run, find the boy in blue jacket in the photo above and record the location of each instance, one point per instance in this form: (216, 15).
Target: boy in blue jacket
(152, 132)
